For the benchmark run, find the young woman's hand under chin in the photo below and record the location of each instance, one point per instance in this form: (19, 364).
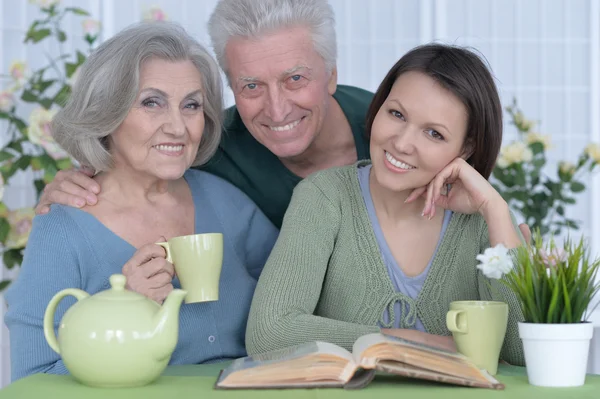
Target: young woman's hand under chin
(469, 193)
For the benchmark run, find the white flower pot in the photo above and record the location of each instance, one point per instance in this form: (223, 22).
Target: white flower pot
(556, 355)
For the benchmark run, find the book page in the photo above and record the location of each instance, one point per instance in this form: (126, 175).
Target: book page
(312, 361)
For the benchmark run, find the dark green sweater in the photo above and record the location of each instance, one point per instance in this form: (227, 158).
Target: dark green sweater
(325, 279)
(248, 165)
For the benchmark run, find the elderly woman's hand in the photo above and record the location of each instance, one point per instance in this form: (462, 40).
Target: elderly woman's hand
(72, 187)
(149, 273)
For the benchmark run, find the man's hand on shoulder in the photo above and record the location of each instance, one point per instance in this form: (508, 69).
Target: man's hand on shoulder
(71, 187)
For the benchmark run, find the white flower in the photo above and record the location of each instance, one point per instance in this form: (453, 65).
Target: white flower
(39, 132)
(91, 27)
(19, 72)
(592, 150)
(544, 139)
(566, 168)
(495, 262)
(155, 13)
(7, 100)
(20, 226)
(44, 3)
(553, 257)
(515, 152)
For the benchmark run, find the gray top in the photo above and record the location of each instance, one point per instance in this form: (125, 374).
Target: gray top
(409, 286)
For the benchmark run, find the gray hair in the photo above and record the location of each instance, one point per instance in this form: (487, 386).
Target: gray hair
(108, 83)
(253, 18)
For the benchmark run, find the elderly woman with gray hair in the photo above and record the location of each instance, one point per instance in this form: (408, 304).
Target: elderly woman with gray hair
(146, 106)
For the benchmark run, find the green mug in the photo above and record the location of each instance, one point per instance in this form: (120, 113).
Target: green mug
(478, 328)
(197, 260)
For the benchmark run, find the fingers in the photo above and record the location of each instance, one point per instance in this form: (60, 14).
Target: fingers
(416, 193)
(71, 188)
(526, 232)
(149, 273)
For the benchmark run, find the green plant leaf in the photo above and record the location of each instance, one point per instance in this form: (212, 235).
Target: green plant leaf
(62, 96)
(4, 229)
(37, 35)
(77, 11)
(577, 187)
(64, 163)
(45, 102)
(4, 284)
(12, 258)
(39, 186)
(29, 96)
(6, 155)
(62, 36)
(560, 210)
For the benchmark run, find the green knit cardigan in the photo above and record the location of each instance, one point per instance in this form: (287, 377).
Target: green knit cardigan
(326, 280)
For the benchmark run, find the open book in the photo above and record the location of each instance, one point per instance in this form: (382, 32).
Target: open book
(321, 364)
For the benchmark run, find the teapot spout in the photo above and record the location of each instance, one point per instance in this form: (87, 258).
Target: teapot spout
(166, 324)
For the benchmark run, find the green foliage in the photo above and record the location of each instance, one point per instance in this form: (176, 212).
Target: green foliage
(29, 146)
(520, 179)
(554, 284)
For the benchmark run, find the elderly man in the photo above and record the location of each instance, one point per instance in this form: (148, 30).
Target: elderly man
(290, 117)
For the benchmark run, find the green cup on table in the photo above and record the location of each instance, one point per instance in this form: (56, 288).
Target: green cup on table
(478, 328)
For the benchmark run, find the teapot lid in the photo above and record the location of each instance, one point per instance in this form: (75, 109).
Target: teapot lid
(118, 291)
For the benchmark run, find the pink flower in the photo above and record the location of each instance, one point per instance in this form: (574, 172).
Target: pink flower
(20, 226)
(91, 27)
(554, 257)
(39, 132)
(7, 100)
(155, 13)
(19, 72)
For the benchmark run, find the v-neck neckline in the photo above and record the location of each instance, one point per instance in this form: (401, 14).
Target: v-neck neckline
(435, 267)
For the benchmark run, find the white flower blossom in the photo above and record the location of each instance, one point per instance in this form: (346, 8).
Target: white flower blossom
(91, 27)
(154, 13)
(19, 72)
(567, 168)
(39, 132)
(495, 262)
(515, 152)
(593, 151)
(544, 139)
(7, 101)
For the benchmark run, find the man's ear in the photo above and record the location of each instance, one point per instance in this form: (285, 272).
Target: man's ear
(332, 85)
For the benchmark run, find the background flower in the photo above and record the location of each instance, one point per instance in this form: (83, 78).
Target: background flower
(592, 150)
(91, 26)
(7, 101)
(567, 168)
(19, 72)
(154, 13)
(39, 132)
(544, 139)
(516, 152)
(552, 257)
(20, 221)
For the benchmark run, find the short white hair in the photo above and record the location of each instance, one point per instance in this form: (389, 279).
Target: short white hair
(108, 84)
(253, 18)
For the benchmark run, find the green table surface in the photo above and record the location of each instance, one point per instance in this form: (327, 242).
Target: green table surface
(196, 381)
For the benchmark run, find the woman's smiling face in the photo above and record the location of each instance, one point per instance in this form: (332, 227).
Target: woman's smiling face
(419, 129)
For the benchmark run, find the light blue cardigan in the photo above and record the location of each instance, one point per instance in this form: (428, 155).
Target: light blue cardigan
(69, 248)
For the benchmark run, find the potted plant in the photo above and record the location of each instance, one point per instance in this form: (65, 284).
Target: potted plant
(555, 285)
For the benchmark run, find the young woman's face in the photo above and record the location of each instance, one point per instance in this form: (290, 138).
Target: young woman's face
(419, 129)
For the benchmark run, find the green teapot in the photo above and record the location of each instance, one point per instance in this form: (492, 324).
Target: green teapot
(116, 338)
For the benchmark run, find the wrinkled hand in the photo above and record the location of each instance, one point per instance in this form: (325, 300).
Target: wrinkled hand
(470, 192)
(71, 187)
(149, 273)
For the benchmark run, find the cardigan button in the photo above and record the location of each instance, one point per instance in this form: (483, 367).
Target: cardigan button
(211, 339)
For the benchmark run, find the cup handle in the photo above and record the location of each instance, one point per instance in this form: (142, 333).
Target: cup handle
(51, 309)
(451, 321)
(165, 245)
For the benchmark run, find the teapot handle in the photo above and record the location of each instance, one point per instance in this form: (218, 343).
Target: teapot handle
(49, 314)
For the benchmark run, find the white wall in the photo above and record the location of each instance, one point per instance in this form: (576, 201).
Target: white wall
(544, 52)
